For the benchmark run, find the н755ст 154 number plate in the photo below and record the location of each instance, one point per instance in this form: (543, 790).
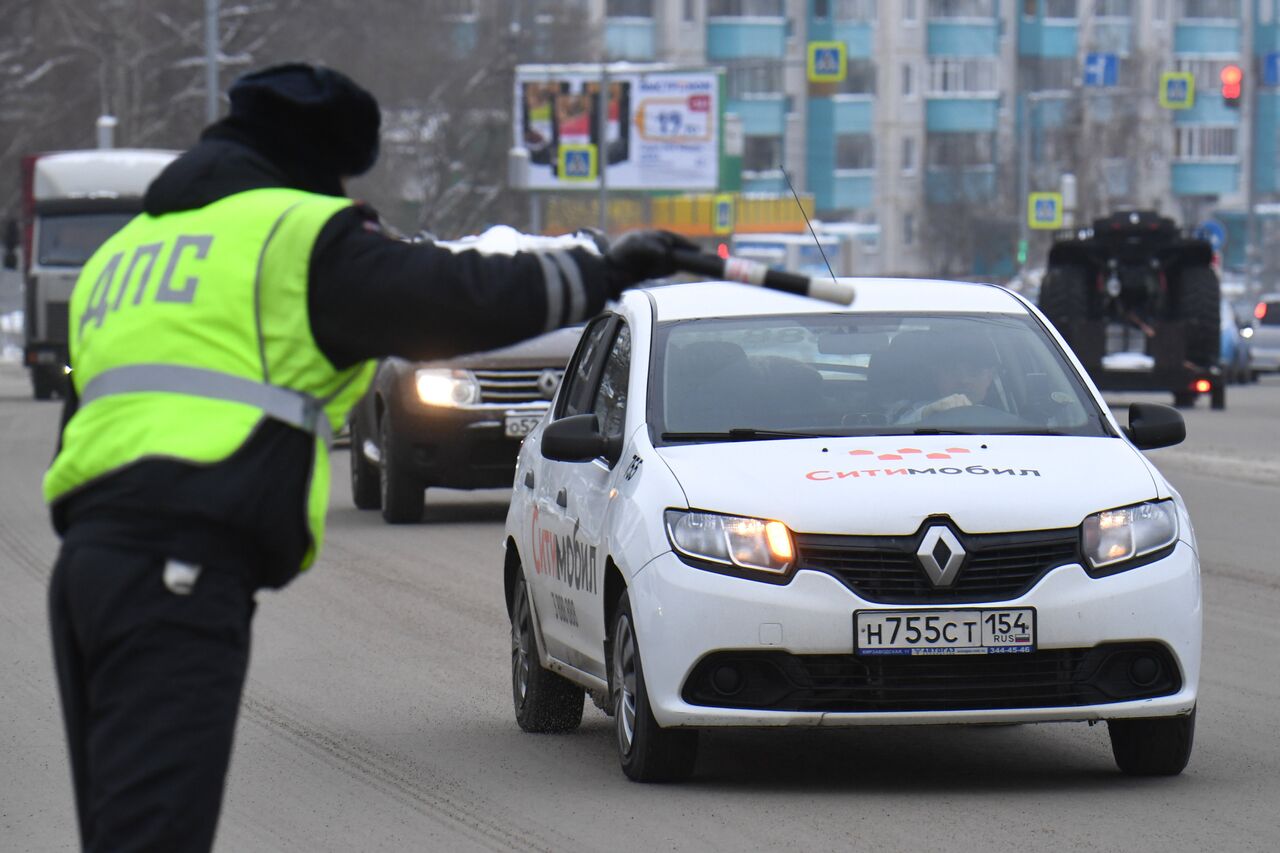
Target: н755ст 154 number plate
(944, 632)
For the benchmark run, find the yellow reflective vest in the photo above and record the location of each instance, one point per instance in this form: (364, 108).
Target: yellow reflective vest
(186, 330)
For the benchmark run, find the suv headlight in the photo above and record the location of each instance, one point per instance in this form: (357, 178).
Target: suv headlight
(746, 547)
(1117, 537)
(443, 387)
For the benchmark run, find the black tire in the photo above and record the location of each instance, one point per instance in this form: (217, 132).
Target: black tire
(366, 484)
(1153, 747)
(545, 703)
(1065, 297)
(648, 752)
(42, 383)
(1198, 297)
(404, 498)
(1184, 399)
(1218, 396)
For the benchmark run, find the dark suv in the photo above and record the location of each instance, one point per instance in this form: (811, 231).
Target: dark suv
(455, 423)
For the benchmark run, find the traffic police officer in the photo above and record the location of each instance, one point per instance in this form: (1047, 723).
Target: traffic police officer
(218, 341)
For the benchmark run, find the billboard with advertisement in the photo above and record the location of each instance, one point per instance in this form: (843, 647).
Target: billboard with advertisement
(662, 130)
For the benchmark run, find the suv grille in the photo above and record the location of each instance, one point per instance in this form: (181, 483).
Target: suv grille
(885, 569)
(1048, 678)
(510, 387)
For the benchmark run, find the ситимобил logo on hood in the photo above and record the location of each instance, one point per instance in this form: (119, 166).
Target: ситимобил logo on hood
(915, 464)
(906, 452)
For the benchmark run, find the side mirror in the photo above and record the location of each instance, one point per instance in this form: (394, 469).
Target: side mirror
(11, 245)
(1152, 425)
(577, 438)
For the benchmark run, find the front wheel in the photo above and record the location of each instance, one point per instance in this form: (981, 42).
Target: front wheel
(648, 752)
(1153, 747)
(404, 498)
(366, 488)
(544, 701)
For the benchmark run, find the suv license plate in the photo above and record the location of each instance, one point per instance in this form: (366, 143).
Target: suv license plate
(518, 426)
(1004, 630)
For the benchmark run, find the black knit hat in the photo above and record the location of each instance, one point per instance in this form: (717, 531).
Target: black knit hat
(315, 119)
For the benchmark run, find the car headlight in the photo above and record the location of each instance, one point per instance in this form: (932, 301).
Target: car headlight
(1117, 537)
(747, 547)
(441, 387)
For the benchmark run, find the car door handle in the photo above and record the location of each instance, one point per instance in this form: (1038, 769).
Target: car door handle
(528, 479)
(562, 498)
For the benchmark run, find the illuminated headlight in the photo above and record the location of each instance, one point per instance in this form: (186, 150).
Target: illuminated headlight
(446, 387)
(1246, 332)
(750, 544)
(1118, 536)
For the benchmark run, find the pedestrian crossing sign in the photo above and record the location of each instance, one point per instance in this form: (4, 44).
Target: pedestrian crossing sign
(1177, 90)
(577, 162)
(828, 61)
(723, 223)
(1044, 210)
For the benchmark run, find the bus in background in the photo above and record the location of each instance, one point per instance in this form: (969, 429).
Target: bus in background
(849, 248)
(72, 201)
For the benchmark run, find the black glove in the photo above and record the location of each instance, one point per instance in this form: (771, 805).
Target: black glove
(643, 255)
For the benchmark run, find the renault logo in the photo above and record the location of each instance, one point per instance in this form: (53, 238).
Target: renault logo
(548, 382)
(941, 554)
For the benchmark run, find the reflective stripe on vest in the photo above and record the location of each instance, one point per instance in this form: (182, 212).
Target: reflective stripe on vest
(283, 404)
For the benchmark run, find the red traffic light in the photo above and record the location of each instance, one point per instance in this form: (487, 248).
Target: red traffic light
(1232, 78)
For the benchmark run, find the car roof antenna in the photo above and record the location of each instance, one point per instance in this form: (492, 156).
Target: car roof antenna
(796, 196)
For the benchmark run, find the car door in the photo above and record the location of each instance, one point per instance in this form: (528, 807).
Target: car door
(562, 569)
(588, 488)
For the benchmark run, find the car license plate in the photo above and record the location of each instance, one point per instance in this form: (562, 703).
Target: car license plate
(518, 426)
(987, 631)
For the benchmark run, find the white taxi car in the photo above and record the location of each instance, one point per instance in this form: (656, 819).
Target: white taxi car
(747, 508)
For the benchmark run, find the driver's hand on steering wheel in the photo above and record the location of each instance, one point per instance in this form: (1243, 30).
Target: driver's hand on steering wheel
(954, 401)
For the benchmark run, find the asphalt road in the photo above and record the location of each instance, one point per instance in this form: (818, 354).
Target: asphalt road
(378, 713)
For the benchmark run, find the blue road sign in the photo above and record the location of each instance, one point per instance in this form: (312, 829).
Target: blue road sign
(1215, 232)
(1100, 69)
(1271, 69)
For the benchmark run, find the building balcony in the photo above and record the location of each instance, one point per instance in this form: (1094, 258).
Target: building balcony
(859, 38)
(850, 189)
(1218, 176)
(960, 184)
(629, 38)
(1205, 35)
(956, 113)
(761, 115)
(964, 37)
(738, 38)
(1052, 38)
(853, 113)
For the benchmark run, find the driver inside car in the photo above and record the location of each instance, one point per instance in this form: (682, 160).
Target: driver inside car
(962, 374)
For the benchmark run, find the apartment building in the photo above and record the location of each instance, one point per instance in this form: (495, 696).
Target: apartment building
(952, 110)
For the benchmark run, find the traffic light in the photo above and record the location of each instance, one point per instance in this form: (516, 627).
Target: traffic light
(1232, 78)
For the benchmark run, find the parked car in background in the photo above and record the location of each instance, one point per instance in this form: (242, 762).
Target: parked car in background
(1264, 343)
(1235, 356)
(455, 423)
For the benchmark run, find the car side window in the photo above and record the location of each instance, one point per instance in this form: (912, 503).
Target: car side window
(580, 378)
(611, 397)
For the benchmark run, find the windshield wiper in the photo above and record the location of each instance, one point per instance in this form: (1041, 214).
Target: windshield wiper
(741, 434)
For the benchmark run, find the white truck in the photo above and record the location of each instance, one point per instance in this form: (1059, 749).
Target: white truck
(72, 201)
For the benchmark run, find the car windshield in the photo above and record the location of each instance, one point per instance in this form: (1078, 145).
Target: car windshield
(70, 239)
(743, 378)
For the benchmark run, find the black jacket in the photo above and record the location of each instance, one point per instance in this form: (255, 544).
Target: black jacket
(369, 296)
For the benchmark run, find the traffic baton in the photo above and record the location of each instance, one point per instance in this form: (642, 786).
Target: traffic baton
(755, 273)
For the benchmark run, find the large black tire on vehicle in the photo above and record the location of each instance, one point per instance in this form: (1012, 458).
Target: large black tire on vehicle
(545, 703)
(648, 752)
(404, 498)
(1196, 297)
(366, 485)
(1153, 747)
(43, 383)
(1065, 297)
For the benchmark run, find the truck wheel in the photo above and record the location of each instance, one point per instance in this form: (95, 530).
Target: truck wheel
(1153, 747)
(42, 383)
(1198, 306)
(403, 495)
(366, 485)
(648, 752)
(1064, 297)
(545, 702)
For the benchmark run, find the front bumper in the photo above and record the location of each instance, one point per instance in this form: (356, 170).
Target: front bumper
(1264, 358)
(683, 614)
(463, 448)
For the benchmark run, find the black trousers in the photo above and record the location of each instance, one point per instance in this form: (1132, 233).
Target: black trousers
(150, 682)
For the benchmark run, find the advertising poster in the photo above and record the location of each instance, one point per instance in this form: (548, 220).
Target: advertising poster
(661, 131)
